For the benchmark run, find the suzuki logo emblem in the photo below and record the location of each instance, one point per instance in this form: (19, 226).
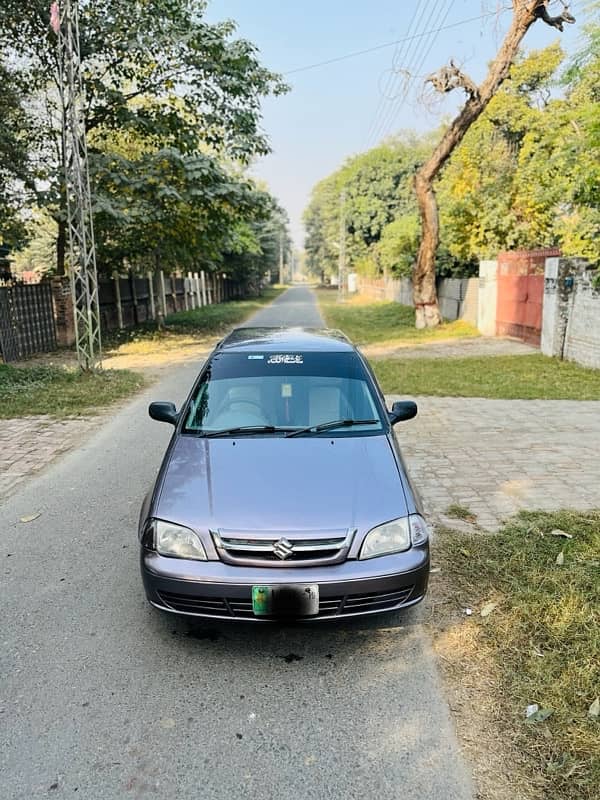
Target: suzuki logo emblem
(283, 549)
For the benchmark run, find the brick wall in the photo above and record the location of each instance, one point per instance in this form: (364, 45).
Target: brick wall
(63, 311)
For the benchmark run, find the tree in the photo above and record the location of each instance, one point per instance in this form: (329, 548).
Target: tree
(493, 193)
(378, 190)
(168, 209)
(525, 14)
(154, 72)
(15, 129)
(398, 245)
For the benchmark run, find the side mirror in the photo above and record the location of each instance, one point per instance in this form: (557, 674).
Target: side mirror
(402, 410)
(164, 412)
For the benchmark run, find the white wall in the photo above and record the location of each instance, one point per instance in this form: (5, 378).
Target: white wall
(488, 297)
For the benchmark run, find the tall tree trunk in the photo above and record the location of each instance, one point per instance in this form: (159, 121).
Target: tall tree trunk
(525, 13)
(427, 312)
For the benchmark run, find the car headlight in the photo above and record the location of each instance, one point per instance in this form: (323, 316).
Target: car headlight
(176, 541)
(395, 537)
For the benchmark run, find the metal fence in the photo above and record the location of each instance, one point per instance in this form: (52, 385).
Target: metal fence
(26, 321)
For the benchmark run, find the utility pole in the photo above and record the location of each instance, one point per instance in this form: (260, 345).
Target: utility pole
(64, 19)
(281, 257)
(342, 264)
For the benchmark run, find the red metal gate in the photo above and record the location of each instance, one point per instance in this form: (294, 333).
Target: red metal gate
(521, 293)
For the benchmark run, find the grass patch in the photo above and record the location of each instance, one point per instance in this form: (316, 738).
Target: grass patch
(61, 392)
(525, 377)
(368, 322)
(456, 511)
(541, 640)
(187, 327)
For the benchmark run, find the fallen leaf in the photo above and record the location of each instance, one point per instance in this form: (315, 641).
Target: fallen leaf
(487, 609)
(30, 517)
(594, 709)
(558, 532)
(560, 559)
(540, 715)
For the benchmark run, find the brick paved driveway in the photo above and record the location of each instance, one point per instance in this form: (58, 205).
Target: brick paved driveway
(499, 456)
(29, 444)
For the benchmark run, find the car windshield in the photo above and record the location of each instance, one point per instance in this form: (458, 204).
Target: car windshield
(285, 391)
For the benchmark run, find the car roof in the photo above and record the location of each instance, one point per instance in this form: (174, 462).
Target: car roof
(286, 339)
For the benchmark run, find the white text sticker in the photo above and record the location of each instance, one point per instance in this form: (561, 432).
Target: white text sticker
(285, 358)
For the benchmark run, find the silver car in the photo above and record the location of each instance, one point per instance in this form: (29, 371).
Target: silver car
(283, 493)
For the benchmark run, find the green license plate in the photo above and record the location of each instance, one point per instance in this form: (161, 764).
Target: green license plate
(288, 600)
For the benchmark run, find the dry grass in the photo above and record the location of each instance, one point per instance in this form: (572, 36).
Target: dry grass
(539, 644)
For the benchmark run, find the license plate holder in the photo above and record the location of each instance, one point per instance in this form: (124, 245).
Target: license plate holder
(286, 600)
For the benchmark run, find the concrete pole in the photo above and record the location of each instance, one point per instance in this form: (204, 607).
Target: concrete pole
(203, 285)
(186, 299)
(117, 286)
(163, 293)
(281, 258)
(174, 292)
(193, 299)
(342, 265)
(151, 293)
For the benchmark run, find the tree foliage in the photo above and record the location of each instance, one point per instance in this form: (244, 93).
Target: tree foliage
(173, 116)
(526, 175)
(376, 188)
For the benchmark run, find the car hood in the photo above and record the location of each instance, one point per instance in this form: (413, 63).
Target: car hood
(273, 483)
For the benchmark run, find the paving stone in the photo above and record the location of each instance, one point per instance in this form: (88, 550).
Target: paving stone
(29, 444)
(499, 456)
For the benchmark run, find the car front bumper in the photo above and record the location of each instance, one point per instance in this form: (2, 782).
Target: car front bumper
(215, 590)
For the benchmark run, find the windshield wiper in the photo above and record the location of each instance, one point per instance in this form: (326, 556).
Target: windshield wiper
(243, 429)
(337, 423)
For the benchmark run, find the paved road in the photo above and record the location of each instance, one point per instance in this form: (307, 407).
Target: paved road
(297, 306)
(102, 697)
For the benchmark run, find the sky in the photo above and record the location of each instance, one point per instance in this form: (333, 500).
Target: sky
(337, 110)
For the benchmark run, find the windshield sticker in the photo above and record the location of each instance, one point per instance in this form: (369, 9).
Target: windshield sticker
(285, 358)
(256, 358)
(286, 389)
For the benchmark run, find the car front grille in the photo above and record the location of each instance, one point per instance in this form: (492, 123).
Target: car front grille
(237, 608)
(282, 550)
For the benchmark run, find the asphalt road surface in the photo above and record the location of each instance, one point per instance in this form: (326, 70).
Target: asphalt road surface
(101, 696)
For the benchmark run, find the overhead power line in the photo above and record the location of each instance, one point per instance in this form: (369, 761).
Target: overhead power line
(392, 75)
(414, 70)
(357, 53)
(430, 23)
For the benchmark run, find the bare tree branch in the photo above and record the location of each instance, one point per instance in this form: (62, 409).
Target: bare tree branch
(541, 12)
(449, 78)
